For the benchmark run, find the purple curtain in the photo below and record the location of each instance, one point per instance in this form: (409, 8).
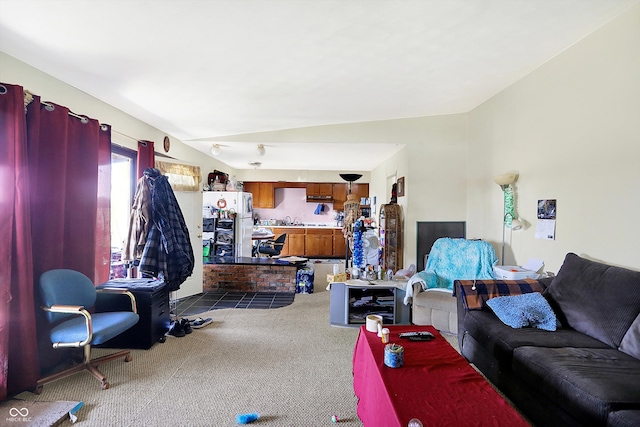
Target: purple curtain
(146, 157)
(19, 359)
(66, 218)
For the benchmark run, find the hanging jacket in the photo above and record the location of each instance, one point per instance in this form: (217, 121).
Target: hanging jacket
(168, 248)
(139, 221)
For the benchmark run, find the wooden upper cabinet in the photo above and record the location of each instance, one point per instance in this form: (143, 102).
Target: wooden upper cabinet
(319, 191)
(339, 196)
(267, 195)
(263, 193)
(360, 190)
(253, 188)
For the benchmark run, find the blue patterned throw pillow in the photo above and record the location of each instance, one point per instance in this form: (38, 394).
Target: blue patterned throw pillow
(520, 311)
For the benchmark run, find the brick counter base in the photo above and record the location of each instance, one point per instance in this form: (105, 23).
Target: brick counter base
(249, 278)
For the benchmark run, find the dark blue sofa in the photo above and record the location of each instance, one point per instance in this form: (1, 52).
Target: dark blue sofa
(587, 372)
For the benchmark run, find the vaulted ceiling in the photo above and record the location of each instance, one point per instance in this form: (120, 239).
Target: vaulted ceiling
(206, 71)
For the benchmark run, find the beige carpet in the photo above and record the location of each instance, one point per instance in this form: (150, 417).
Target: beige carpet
(287, 364)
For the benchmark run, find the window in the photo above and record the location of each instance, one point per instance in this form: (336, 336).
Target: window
(123, 185)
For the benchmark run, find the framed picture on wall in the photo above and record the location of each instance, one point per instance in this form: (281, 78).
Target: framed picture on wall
(400, 187)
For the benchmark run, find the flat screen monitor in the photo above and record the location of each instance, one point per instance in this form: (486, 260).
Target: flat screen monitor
(430, 231)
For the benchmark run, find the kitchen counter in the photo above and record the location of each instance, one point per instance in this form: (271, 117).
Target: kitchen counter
(310, 240)
(330, 227)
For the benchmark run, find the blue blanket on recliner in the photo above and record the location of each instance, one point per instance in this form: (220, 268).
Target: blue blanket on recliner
(456, 259)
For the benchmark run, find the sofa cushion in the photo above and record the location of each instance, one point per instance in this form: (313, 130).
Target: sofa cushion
(520, 311)
(624, 418)
(500, 340)
(631, 341)
(588, 382)
(599, 300)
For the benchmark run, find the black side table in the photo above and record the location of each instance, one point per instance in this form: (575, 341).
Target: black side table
(152, 301)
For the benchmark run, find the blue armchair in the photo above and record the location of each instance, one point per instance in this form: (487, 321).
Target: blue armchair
(66, 297)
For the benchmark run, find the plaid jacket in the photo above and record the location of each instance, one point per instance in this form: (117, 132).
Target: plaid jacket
(168, 249)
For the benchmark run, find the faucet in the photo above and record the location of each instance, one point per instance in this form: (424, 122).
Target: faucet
(287, 220)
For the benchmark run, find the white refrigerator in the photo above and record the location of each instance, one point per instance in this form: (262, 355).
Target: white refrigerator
(242, 204)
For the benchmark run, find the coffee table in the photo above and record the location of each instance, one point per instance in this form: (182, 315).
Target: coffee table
(435, 385)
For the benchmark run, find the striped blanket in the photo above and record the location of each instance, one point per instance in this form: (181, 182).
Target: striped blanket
(475, 293)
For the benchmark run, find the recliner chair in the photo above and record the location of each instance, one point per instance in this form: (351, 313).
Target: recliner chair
(67, 296)
(272, 248)
(431, 291)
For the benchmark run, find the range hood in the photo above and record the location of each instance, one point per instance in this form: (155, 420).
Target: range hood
(317, 198)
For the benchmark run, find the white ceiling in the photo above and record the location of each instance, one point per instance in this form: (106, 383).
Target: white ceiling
(214, 70)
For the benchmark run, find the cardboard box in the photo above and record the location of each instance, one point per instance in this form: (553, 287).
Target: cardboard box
(513, 272)
(340, 277)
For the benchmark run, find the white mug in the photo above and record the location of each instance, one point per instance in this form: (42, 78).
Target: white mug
(374, 323)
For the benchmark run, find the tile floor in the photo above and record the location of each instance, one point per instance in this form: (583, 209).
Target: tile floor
(214, 300)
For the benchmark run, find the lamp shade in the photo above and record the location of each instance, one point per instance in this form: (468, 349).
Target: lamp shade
(505, 179)
(350, 177)
(516, 225)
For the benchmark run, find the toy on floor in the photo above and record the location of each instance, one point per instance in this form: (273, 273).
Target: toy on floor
(247, 418)
(334, 419)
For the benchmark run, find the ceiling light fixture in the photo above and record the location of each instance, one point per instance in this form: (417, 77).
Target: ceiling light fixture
(215, 150)
(261, 150)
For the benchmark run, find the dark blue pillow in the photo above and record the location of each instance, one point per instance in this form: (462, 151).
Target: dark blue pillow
(520, 311)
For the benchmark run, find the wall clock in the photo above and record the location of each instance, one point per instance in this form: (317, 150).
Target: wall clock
(167, 144)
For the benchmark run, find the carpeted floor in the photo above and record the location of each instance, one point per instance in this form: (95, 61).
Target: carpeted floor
(288, 364)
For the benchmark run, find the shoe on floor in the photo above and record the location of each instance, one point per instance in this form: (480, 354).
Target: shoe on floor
(176, 330)
(200, 322)
(186, 326)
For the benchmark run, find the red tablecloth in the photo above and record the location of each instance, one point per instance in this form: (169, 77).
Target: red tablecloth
(435, 385)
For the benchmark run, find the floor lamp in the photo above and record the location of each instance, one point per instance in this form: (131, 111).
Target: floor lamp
(351, 212)
(509, 218)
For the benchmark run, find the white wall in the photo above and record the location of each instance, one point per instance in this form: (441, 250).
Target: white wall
(433, 164)
(126, 130)
(571, 129)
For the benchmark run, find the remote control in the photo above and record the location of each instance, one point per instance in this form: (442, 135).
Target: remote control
(415, 334)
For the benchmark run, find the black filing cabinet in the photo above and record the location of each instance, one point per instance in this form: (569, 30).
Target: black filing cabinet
(152, 301)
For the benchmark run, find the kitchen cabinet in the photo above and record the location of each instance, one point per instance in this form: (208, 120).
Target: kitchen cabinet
(360, 190)
(339, 196)
(263, 193)
(339, 244)
(319, 243)
(319, 192)
(312, 242)
(297, 244)
(294, 244)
